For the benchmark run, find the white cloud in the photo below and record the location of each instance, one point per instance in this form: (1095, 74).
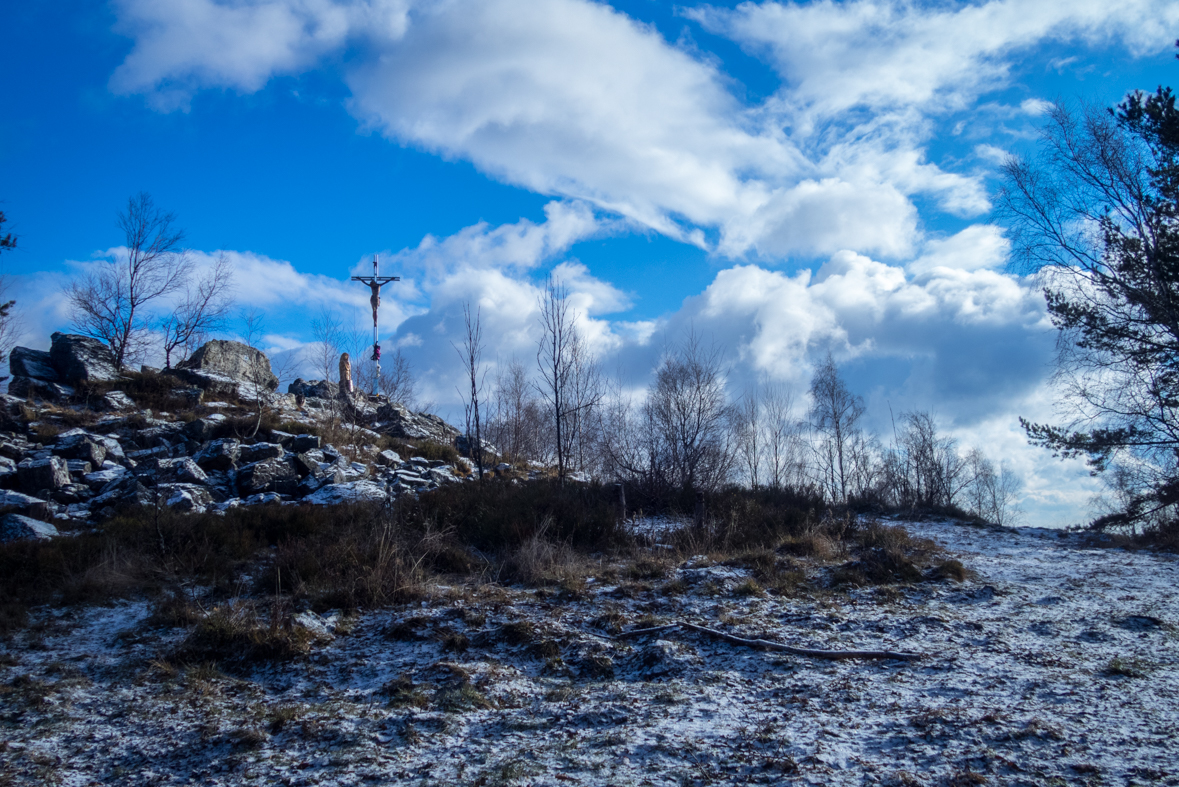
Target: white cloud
(183, 45)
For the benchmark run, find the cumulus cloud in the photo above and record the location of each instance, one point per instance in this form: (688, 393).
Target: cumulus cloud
(184, 45)
(575, 99)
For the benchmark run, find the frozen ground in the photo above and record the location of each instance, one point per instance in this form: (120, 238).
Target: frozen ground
(1055, 664)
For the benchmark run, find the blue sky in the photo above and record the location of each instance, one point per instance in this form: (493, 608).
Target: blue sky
(786, 178)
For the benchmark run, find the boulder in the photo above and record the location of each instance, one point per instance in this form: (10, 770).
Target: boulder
(186, 497)
(182, 470)
(82, 446)
(269, 475)
(396, 420)
(350, 492)
(17, 502)
(23, 362)
(15, 527)
(304, 465)
(81, 358)
(227, 368)
(259, 451)
(219, 454)
(202, 429)
(50, 473)
(318, 389)
(32, 388)
(99, 479)
(305, 442)
(389, 458)
(117, 400)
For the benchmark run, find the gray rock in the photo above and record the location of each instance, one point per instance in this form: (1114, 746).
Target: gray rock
(38, 474)
(81, 446)
(81, 358)
(186, 497)
(316, 389)
(304, 465)
(23, 362)
(117, 400)
(305, 442)
(72, 493)
(269, 475)
(227, 368)
(259, 451)
(219, 454)
(389, 458)
(32, 388)
(14, 527)
(79, 467)
(202, 429)
(350, 492)
(396, 420)
(17, 502)
(99, 479)
(182, 470)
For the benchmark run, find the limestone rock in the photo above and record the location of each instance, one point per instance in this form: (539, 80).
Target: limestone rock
(36, 475)
(219, 454)
(20, 503)
(269, 475)
(32, 388)
(396, 420)
(227, 368)
(186, 497)
(23, 362)
(14, 527)
(316, 389)
(349, 492)
(259, 451)
(81, 358)
(117, 400)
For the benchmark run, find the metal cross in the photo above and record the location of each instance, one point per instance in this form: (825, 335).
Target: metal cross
(375, 283)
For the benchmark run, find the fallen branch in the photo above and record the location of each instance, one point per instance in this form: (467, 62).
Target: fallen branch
(765, 644)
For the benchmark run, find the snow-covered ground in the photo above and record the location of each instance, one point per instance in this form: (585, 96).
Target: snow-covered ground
(1054, 664)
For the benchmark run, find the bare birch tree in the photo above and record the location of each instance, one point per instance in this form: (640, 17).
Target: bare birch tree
(835, 415)
(110, 303)
(471, 353)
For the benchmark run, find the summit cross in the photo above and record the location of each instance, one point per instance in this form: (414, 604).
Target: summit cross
(375, 283)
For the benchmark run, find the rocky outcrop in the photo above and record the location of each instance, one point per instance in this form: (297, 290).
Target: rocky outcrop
(77, 358)
(225, 368)
(71, 359)
(396, 420)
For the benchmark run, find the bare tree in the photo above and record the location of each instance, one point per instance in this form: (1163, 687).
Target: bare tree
(782, 438)
(835, 415)
(201, 311)
(989, 494)
(471, 353)
(396, 382)
(110, 302)
(688, 410)
(518, 421)
(328, 333)
(555, 362)
(747, 426)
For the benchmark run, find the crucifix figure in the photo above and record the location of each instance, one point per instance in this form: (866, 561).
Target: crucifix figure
(375, 283)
